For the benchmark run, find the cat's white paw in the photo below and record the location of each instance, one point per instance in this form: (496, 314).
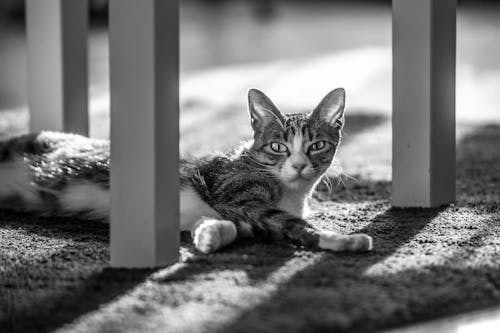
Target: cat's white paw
(339, 243)
(210, 234)
(360, 243)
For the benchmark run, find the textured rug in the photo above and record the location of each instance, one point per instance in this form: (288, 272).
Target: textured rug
(427, 263)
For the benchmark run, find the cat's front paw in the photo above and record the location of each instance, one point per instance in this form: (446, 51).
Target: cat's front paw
(341, 243)
(210, 234)
(360, 243)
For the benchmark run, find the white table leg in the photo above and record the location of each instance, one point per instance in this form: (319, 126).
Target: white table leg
(57, 65)
(424, 43)
(144, 66)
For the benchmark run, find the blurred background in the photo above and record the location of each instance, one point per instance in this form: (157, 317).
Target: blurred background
(295, 51)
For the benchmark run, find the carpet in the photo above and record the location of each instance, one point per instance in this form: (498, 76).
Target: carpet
(426, 263)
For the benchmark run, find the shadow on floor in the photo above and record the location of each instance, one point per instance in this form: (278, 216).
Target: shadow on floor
(78, 293)
(454, 273)
(422, 267)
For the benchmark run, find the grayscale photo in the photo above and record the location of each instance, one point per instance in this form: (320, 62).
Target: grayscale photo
(226, 166)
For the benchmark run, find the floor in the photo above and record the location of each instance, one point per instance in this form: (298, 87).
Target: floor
(426, 264)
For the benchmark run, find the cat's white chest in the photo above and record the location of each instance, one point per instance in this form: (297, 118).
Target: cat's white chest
(295, 204)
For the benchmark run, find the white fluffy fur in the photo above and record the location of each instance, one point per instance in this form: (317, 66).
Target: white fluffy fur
(92, 198)
(296, 202)
(89, 197)
(86, 197)
(192, 208)
(209, 234)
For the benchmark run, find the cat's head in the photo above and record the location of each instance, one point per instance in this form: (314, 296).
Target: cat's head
(296, 148)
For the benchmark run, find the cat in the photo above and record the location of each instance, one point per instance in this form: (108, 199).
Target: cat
(260, 189)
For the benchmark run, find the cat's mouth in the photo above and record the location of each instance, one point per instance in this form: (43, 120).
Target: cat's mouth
(300, 177)
(298, 181)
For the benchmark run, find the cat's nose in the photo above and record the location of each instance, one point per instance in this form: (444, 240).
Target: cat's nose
(299, 167)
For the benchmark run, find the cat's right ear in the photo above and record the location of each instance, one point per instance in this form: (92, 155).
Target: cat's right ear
(262, 110)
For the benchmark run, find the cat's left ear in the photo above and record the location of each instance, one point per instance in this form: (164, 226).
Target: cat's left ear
(331, 108)
(262, 110)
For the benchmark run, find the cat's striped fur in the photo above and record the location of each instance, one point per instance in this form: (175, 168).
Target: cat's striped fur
(260, 189)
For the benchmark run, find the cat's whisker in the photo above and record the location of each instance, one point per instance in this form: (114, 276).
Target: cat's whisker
(352, 194)
(339, 181)
(344, 183)
(339, 174)
(350, 177)
(328, 184)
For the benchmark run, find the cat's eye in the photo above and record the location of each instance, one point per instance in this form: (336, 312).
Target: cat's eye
(278, 147)
(317, 146)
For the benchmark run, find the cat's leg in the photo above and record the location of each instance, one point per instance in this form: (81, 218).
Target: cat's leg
(280, 225)
(302, 233)
(276, 224)
(210, 234)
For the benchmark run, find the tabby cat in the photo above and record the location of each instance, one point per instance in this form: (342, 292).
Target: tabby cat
(260, 189)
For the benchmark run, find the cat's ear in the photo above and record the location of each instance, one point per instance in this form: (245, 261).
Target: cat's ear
(262, 110)
(331, 108)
